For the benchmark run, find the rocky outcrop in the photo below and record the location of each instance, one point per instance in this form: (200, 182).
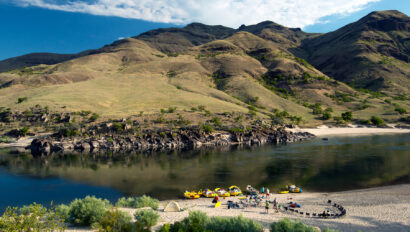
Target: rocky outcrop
(182, 139)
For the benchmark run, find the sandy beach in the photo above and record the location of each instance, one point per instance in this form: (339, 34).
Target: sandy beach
(376, 209)
(354, 130)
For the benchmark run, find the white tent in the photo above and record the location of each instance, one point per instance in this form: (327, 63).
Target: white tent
(172, 207)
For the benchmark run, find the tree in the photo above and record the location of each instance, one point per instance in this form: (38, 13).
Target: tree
(347, 116)
(326, 115)
(376, 121)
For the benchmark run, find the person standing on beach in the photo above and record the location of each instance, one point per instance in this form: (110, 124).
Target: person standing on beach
(267, 206)
(263, 190)
(267, 192)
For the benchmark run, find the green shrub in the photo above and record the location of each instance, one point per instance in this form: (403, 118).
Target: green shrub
(115, 221)
(5, 139)
(68, 132)
(94, 117)
(23, 131)
(207, 128)
(287, 225)
(376, 121)
(33, 208)
(316, 108)
(207, 113)
(347, 116)
(400, 110)
(165, 228)
(326, 115)
(252, 108)
(35, 218)
(216, 121)
(88, 211)
(160, 119)
(118, 127)
(138, 202)
(171, 110)
(198, 221)
(145, 219)
(235, 130)
(21, 99)
(63, 211)
(233, 224)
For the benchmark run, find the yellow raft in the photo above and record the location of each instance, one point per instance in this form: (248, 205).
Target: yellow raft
(191, 195)
(207, 193)
(222, 192)
(234, 190)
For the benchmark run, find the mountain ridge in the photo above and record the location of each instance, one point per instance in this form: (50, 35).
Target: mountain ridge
(260, 69)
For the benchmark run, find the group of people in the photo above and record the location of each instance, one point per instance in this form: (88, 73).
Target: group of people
(275, 206)
(259, 199)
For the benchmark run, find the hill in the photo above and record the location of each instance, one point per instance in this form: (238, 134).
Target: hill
(372, 53)
(255, 70)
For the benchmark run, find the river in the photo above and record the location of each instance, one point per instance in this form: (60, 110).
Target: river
(337, 164)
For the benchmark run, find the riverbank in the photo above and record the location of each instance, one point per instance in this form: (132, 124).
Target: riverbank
(188, 138)
(375, 209)
(354, 130)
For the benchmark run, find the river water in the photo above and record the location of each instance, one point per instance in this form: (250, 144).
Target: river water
(340, 163)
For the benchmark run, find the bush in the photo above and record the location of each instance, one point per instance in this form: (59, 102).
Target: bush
(287, 225)
(196, 221)
(23, 131)
(316, 108)
(233, 224)
(400, 110)
(216, 121)
(5, 139)
(21, 99)
(63, 211)
(33, 208)
(94, 117)
(115, 221)
(138, 202)
(145, 219)
(376, 121)
(118, 127)
(347, 116)
(88, 211)
(326, 115)
(199, 222)
(207, 128)
(235, 130)
(34, 217)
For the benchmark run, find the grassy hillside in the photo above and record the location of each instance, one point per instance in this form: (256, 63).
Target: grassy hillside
(372, 53)
(252, 70)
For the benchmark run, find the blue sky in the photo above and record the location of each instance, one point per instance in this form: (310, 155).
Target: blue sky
(72, 26)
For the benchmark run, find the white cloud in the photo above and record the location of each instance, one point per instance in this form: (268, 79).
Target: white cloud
(291, 13)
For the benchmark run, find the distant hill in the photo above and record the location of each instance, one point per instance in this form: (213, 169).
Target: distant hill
(264, 68)
(372, 53)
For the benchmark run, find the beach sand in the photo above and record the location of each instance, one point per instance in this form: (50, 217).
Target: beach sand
(376, 209)
(353, 130)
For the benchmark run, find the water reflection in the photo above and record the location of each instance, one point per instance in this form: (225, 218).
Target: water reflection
(338, 164)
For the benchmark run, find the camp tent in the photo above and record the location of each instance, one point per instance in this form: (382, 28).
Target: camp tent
(172, 207)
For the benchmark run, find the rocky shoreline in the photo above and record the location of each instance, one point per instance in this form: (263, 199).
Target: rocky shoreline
(167, 140)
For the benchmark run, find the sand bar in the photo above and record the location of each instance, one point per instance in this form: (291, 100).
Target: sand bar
(350, 130)
(375, 209)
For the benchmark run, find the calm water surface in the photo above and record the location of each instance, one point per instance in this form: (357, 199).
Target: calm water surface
(341, 163)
